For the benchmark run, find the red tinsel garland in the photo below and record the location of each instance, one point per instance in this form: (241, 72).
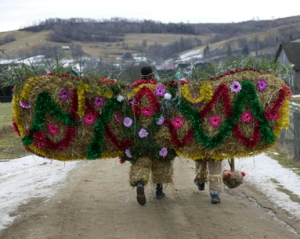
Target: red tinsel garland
(151, 97)
(174, 136)
(250, 143)
(90, 109)
(221, 91)
(42, 141)
(275, 106)
(119, 145)
(15, 127)
(142, 81)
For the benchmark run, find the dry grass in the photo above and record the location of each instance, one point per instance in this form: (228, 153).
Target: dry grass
(283, 159)
(25, 41)
(10, 143)
(6, 114)
(293, 197)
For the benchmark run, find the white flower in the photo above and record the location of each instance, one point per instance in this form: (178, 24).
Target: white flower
(167, 96)
(120, 98)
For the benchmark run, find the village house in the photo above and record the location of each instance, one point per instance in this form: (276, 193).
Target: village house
(289, 53)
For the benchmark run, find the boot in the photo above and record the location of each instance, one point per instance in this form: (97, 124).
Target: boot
(201, 186)
(140, 195)
(159, 191)
(215, 197)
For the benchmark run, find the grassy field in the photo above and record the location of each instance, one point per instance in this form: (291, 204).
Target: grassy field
(10, 143)
(26, 41)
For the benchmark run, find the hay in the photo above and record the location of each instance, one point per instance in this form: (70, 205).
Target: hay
(95, 141)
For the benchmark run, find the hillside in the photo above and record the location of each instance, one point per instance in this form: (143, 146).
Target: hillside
(108, 41)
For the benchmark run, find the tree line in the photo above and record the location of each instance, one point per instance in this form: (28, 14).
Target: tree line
(114, 29)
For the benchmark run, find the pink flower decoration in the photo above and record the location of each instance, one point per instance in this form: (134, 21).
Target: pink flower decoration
(64, 94)
(89, 119)
(24, 105)
(262, 84)
(99, 101)
(235, 87)
(118, 117)
(177, 122)
(127, 122)
(160, 91)
(163, 152)
(128, 154)
(143, 133)
(160, 121)
(247, 117)
(147, 110)
(215, 121)
(53, 129)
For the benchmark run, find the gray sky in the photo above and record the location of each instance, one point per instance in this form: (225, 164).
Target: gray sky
(19, 13)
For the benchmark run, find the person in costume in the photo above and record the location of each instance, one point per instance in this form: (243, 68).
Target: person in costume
(209, 170)
(160, 170)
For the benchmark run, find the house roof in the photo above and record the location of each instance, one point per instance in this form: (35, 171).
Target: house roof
(292, 51)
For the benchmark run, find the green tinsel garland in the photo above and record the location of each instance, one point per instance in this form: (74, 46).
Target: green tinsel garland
(45, 103)
(94, 150)
(247, 94)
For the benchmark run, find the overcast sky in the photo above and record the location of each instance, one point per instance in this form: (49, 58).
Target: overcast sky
(15, 14)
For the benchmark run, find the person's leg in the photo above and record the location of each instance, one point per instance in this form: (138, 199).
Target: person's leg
(162, 172)
(215, 179)
(139, 176)
(201, 174)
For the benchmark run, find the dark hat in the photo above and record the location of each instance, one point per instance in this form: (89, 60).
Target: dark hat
(146, 73)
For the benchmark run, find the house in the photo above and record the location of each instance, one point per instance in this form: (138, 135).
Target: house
(65, 48)
(289, 53)
(127, 55)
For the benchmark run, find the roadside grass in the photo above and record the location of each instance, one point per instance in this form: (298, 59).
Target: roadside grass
(293, 197)
(283, 159)
(6, 114)
(11, 146)
(10, 143)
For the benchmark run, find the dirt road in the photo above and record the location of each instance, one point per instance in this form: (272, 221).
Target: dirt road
(99, 203)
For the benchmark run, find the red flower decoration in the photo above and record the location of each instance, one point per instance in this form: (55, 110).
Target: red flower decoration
(118, 117)
(89, 119)
(177, 122)
(53, 129)
(247, 117)
(147, 110)
(215, 120)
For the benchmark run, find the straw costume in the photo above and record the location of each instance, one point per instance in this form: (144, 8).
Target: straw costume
(162, 170)
(237, 114)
